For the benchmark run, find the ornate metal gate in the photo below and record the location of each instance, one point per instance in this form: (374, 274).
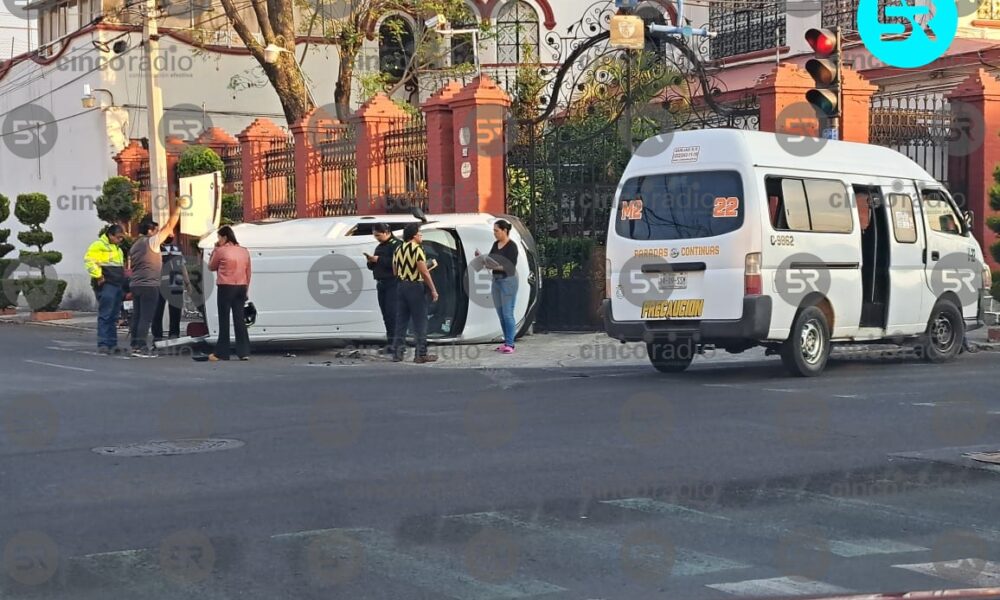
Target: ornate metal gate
(574, 130)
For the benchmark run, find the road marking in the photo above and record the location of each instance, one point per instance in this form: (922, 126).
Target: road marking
(973, 571)
(847, 548)
(778, 586)
(846, 396)
(852, 505)
(686, 562)
(54, 365)
(648, 505)
(782, 390)
(380, 555)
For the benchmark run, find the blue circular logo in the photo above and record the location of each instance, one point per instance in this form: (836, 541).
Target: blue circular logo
(917, 49)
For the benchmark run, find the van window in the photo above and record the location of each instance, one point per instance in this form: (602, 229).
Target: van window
(903, 223)
(941, 217)
(818, 205)
(680, 206)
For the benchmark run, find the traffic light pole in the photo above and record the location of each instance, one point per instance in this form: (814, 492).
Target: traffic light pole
(835, 121)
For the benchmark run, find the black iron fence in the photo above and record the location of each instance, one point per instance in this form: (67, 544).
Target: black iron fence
(404, 156)
(279, 179)
(232, 168)
(918, 126)
(338, 172)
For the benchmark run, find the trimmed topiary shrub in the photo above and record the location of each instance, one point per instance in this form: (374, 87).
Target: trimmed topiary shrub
(8, 287)
(198, 160)
(43, 293)
(119, 203)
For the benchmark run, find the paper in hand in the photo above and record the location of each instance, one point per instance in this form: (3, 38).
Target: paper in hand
(491, 263)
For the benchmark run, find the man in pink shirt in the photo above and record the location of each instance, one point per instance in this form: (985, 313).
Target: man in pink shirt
(231, 264)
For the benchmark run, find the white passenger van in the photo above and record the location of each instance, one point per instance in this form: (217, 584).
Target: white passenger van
(310, 282)
(722, 237)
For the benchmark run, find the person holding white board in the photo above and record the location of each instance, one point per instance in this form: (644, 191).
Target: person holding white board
(502, 261)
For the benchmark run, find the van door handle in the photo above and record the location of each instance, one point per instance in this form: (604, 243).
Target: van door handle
(935, 255)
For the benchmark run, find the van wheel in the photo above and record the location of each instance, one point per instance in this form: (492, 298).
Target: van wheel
(945, 333)
(807, 348)
(670, 357)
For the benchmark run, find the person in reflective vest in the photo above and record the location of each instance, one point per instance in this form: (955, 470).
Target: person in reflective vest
(105, 263)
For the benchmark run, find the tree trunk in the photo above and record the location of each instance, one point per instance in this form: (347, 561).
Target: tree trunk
(290, 86)
(345, 81)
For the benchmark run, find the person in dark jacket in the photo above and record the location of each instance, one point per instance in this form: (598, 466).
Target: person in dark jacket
(173, 282)
(380, 265)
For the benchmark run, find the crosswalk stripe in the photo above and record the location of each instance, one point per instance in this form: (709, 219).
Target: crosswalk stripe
(852, 505)
(380, 555)
(686, 562)
(847, 548)
(139, 572)
(778, 586)
(972, 571)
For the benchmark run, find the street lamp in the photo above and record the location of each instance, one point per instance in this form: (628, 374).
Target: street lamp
(440, 24)
(271, 53)
(89, 100)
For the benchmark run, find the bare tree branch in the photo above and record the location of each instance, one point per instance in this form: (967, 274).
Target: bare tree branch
(242, 30)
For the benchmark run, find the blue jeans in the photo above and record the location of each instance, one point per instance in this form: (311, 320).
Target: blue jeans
(109, 305)
(504, 296)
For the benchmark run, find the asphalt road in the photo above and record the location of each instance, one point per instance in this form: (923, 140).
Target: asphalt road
(376, 480)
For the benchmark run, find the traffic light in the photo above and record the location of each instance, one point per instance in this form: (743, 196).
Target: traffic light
(825, 70)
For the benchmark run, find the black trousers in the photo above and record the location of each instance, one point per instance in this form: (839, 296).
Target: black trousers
(174, 330)
(143, 309)
(411, 304)
(231, 301)
(387, 292)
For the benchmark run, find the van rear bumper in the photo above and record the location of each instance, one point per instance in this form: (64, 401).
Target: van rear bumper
(753, 325)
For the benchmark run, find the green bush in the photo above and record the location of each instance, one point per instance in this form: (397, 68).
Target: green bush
(8, 288)
(232, 209)
(566, 258)
(43, 293)
(198, 160)
(119, 201)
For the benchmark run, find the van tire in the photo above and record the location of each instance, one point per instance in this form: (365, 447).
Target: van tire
(807, 348)
(670, 357)
(945, 333)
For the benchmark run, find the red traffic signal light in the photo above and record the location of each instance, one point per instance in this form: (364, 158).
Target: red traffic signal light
(823, 41)
(825, 70)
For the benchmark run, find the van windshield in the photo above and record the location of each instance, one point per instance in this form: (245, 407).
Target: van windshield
(680, 206)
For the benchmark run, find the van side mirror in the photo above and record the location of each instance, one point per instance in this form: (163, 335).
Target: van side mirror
(969, 218)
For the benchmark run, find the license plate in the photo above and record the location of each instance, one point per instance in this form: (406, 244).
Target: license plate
(673, 281)
(127, 305)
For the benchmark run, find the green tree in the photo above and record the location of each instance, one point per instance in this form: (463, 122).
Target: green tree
(993, 222)
(198, 160)
(119, 202)
(8, 287)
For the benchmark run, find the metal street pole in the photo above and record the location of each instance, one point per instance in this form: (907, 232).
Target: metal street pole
(160, 209)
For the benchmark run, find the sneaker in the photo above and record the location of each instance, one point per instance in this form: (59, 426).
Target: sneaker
(507, 350)
(103, 350)
(214, 358)
(500, 348)
(397, 359)
(143, 353)
(425, 359)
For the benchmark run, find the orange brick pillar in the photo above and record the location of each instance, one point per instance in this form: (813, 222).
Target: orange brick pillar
(784, 109)
(478, 113)
(976, 103)
(373, 120)
(855, 120)
(308, 132)
(259, 137)
(217, 139)
(441, 150)
(132, 158)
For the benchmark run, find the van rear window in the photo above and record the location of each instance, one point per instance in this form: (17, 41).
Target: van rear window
(680, 206)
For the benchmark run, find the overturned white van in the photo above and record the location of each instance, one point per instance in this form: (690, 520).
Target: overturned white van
(310, 282)
(740, 238)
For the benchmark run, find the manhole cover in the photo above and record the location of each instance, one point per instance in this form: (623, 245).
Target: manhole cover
(169, 447)
(987, 457)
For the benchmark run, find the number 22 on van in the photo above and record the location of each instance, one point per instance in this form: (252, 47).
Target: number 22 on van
(631, 210)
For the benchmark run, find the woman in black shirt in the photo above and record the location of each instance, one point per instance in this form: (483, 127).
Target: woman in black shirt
(504, 266)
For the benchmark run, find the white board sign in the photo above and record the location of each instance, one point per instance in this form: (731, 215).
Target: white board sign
(201, 204)
(686, 154)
